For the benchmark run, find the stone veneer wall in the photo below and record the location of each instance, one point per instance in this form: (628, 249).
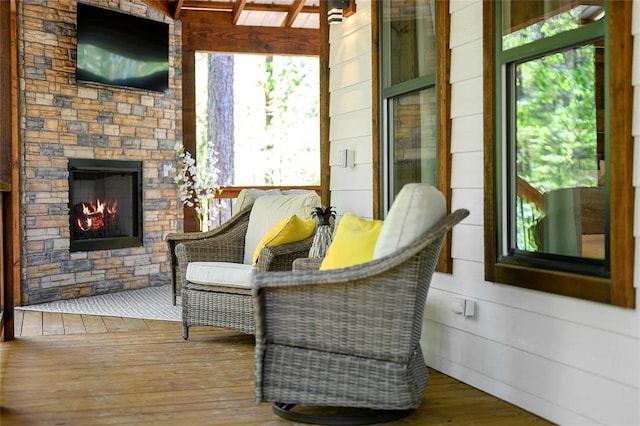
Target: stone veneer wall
(61, 119)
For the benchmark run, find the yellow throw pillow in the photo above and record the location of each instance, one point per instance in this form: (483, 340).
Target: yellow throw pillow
(289, 230)
(353, 242)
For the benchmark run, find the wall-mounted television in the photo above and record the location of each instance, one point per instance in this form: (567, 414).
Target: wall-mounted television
(121, 50)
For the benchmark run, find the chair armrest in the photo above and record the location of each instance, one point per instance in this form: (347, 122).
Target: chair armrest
(281, 258)
(180, 237)
(175, 238)
(223, 248)
(431, 241)
(307, 264)
(313, 277)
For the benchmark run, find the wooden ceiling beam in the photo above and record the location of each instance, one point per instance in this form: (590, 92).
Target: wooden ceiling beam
(249, 7)
(215, 32)
(293, 13)
(237, 10)
(177, 9)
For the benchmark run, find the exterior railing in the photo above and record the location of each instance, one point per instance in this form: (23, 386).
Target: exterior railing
(530, 209)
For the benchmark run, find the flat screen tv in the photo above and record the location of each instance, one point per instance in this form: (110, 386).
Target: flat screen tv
(121, 50)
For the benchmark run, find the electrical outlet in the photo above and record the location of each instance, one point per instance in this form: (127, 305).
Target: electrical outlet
(463, 307)
(457, 306)
(351, 158)
(469, 308)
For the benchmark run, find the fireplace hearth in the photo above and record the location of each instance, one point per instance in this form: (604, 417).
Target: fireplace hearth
(105, 204)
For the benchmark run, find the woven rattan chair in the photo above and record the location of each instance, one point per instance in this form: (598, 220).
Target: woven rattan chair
(347, 337)
(237, 224)
(228, 303)
(239, 219)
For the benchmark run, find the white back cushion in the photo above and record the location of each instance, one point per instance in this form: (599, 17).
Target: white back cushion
(248, 196)
(416, 209)
(268, 211)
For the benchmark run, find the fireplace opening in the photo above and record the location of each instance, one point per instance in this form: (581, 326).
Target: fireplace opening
(105, 204)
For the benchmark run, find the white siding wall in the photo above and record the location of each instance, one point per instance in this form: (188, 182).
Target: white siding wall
(570, 361)
(350, 111)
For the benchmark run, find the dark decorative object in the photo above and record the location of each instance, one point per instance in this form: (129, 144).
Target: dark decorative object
(123, 50)
(324, 231)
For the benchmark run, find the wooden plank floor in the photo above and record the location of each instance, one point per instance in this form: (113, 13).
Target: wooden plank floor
(91, 370)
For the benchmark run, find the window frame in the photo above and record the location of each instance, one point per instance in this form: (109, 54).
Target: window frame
(443, 115)
(618, 289)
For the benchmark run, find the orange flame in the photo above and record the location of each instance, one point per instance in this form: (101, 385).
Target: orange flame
(94, 215)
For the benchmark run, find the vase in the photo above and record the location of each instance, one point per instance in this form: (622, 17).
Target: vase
(321, 241)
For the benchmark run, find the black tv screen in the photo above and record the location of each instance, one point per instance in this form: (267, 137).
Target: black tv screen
(121, 50)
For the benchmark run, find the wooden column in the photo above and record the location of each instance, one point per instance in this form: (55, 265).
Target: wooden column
(9, 178)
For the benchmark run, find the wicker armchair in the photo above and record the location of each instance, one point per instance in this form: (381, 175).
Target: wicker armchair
(237, 224)
(347, 337)
(224, 254)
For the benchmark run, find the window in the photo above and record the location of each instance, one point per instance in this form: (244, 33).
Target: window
(408, 71)
(560, 159)
(414, 99)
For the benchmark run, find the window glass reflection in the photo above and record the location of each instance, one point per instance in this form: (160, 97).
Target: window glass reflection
(410, 33)
(559, 154)
(525, 21)
(414, 139)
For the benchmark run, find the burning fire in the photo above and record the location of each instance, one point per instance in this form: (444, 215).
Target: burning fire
(96, 216)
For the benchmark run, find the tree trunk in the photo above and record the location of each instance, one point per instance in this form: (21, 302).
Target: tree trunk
(220, 125)
(220, 115)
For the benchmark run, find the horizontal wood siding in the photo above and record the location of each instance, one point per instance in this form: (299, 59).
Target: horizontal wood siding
(568, 360)
(543, 386)
(466, 134)
(467, 165)
(361, 207)
(559, 357)
(355, 97)
(467, 170)
(469, 54)
(466, 98)
(351, 113)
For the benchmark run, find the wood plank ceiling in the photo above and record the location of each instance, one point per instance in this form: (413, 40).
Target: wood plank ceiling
(262, 13)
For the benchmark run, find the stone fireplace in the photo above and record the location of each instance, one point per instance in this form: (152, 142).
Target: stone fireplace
(105, 204)
(96, 205)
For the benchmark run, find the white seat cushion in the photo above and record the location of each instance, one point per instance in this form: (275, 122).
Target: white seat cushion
(220, 274)
(417, 208)
(268, 211)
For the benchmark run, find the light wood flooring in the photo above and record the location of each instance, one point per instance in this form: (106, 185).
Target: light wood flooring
(91, 370)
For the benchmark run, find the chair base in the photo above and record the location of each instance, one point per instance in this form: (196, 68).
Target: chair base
(338, 416)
